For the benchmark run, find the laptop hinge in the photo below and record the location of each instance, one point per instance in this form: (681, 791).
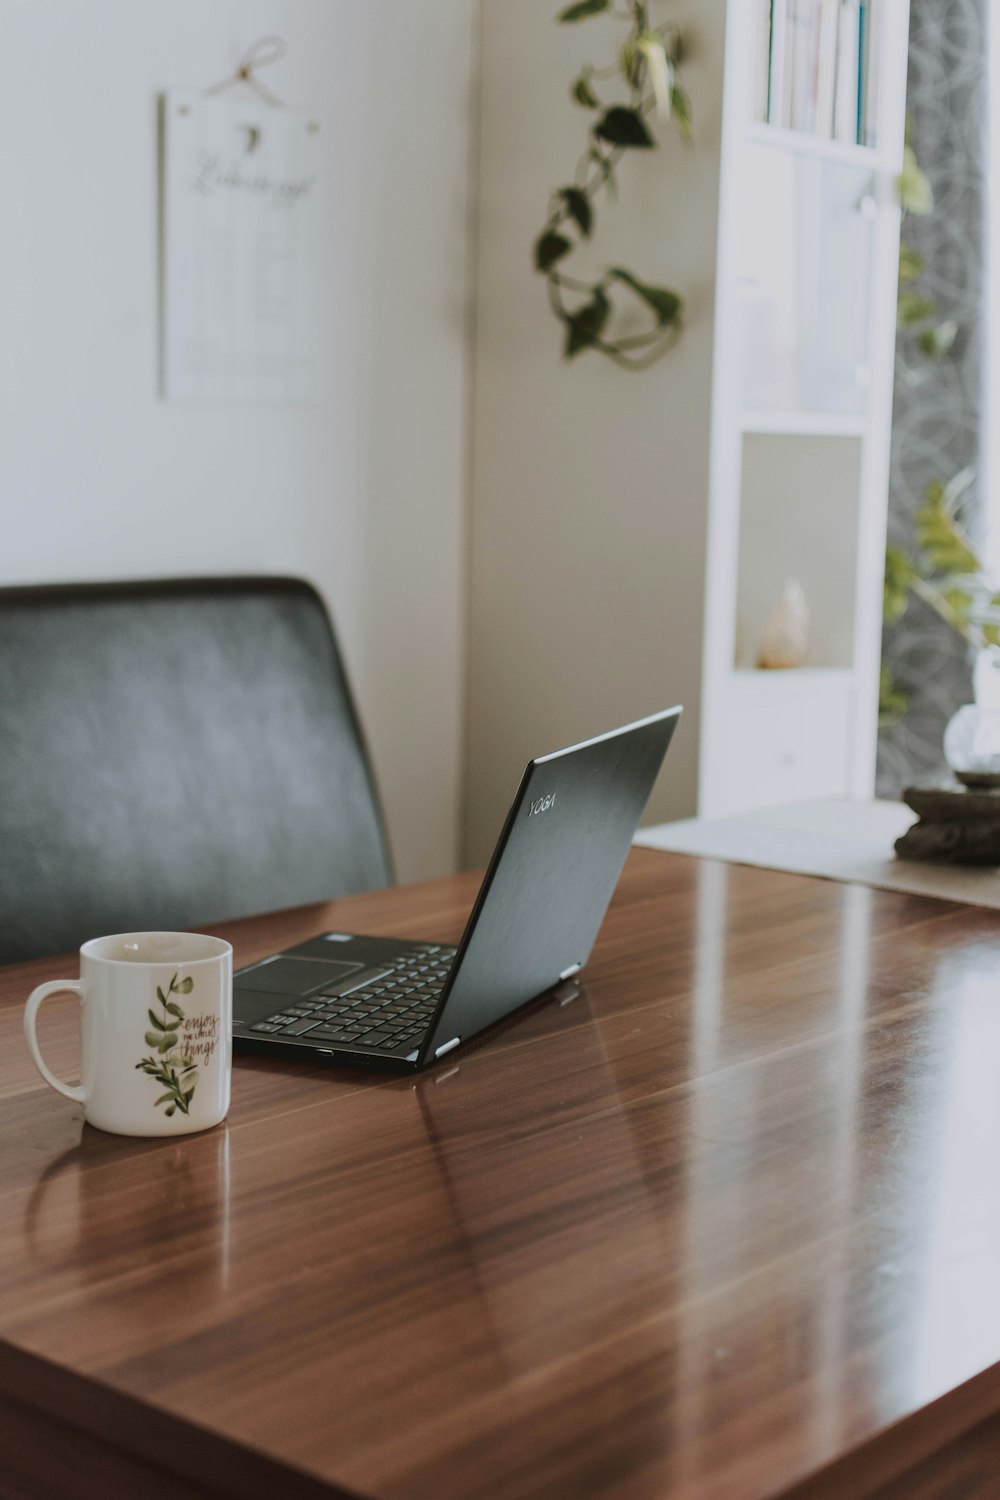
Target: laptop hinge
(440, 1051)
(573, 969)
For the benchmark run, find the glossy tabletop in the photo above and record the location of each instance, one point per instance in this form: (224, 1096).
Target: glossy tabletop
(722, 1221)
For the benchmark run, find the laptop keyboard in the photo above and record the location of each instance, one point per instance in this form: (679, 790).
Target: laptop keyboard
(388, 1008)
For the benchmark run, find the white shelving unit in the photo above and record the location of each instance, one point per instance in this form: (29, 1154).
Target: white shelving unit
(630, 533)
(801, 408)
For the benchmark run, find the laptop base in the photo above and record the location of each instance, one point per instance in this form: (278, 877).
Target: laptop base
(344, 998)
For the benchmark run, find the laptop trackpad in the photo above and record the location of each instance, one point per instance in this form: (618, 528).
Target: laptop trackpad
(293, 976)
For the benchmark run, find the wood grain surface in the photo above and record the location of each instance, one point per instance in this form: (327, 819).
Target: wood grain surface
(722, 1225)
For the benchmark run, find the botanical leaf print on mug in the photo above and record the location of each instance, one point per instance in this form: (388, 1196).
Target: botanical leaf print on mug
(179, 1041)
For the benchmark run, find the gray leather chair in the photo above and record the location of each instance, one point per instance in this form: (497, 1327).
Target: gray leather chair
(173, 754)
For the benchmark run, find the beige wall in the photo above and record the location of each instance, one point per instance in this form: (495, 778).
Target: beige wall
(589, 485)
(362, 493)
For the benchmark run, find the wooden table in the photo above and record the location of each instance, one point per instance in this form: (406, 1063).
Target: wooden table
(726, 1224)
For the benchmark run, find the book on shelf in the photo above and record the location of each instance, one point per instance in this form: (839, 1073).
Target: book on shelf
(803, 17)
(845, 102)
(818, 67)
(871, 54)
(777, 54)
(762, 79)
(826, 67)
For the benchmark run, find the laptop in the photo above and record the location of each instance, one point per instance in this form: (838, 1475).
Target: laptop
(399, 1006)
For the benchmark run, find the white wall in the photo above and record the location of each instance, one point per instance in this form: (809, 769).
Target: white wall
(991, 377)
(362, 493)
(590, 483)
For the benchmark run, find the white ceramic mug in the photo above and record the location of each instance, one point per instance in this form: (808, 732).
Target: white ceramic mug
(156, 1027)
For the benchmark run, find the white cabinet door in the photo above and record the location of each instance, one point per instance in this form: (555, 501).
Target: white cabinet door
(787, 750)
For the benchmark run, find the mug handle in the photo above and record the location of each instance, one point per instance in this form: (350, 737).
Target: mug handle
(53, 986)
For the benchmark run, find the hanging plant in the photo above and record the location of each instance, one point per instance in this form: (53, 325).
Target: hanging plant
(942, 569)
(921, 336)
(945, 571)
(647, 63)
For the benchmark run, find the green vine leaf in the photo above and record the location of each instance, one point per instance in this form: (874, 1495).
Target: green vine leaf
(185, 987)
(621, 126)
(680, 108)
(665, 304)
(581, 92)
(578, 207)
(960, 600)
(582, 9)
(630, 63)
(175, 1009)
(991, 633)
(549, 248)
(910, 263)
(935, 342)
(157, 1023)
(946, 546)
(899, 574)
(583, 328)
(893, 701)
(913, 308)
(915, 193)
(153, 1038)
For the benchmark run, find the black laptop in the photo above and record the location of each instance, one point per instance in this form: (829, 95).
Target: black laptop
(397, 1006)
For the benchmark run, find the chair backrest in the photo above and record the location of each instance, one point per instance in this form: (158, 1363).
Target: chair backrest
(173, 754)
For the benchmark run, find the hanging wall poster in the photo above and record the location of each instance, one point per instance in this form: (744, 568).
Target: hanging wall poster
(239, 267)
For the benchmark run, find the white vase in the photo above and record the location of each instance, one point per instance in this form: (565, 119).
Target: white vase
(786, 636)
(972, 735)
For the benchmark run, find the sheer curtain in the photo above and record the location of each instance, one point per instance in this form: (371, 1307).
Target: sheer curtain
(938, 403)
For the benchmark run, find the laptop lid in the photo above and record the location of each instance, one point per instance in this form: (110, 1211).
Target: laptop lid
(552, 875)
